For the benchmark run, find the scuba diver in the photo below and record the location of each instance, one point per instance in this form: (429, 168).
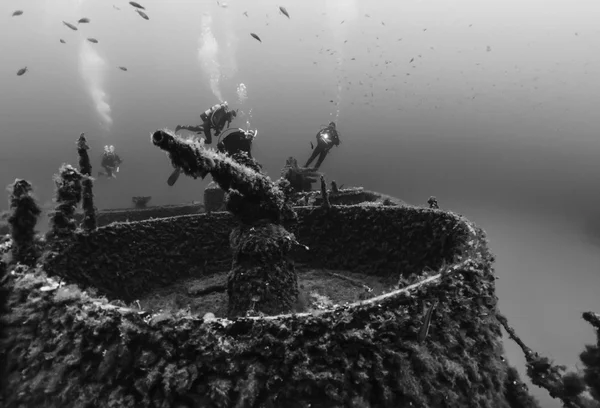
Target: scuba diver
(214, 118)
(238, 142)
(110, 162)
(326, 139)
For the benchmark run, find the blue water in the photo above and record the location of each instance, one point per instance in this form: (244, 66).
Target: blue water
(506, 135)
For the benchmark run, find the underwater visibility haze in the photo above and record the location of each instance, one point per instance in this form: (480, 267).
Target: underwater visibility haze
(489, 106)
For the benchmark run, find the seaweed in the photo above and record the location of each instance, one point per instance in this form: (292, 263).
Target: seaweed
(22, 220)
(433, 204)
(4, 225)
(334, 187)
(68, 195)
(324, 194)
(590, 358)
(87, 184)
(517, 394)
(545, 374)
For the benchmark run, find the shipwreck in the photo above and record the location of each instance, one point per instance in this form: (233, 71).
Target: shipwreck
(75, 333)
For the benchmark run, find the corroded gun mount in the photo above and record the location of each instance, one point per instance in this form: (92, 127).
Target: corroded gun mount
(300, 178)
(251, 195)
(263, 278)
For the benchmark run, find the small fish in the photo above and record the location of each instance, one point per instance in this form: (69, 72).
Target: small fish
(312, 146)
(342, 22)
(123, 68)
(83, 20)
(93, 40)
(137, 5)
(115, 7)
(17, 13)
(142, 14)
(71, 26)
(63, 41)
(245, 13)
(488, 48)
(382, 23)
(352, 59)
(411, 60)
(284, 11)
(366, 15)
(22, 71)
(256, 36)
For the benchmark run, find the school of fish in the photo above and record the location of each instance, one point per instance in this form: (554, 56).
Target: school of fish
(371, 75)
(84, 20)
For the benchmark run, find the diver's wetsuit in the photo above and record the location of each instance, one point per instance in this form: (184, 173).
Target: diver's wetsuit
(110, 162)
(236, 142)
(214, 118)
(326, 139)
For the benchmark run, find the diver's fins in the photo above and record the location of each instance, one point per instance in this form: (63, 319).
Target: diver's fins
(173, 177)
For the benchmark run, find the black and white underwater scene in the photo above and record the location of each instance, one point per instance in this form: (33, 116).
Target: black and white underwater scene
(300, 203)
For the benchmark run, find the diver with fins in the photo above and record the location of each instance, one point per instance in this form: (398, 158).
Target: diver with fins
(214, 118)
(239, 141)
(110, 162)
(326, 139)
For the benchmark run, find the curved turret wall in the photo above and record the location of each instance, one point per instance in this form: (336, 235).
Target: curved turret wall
(66, 349)
(214, 201)
(105, 217)
(126, 260)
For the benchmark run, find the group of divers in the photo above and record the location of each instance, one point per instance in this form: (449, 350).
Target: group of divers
(235, 142)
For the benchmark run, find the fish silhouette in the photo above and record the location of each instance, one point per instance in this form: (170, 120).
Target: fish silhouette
(71, 26)
(142, 14)
(284, 11)
(137, 5)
